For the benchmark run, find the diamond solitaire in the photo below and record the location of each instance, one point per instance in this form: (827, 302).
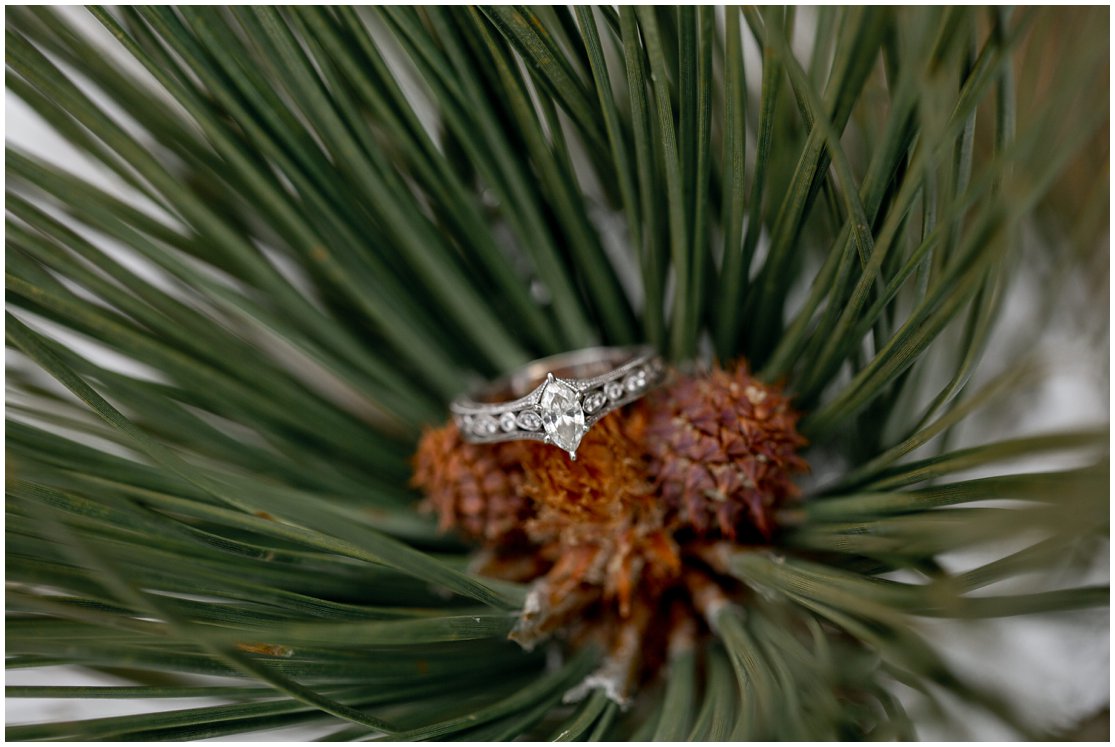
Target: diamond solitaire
(558, 399)
(562, 415)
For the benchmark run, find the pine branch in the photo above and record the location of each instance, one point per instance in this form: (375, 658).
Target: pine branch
(297, 232)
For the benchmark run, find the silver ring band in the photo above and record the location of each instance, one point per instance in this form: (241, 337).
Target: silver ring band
(557, 399)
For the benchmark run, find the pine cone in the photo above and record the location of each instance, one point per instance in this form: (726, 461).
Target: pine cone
(476, 488)
(723, 448)
(604, 507)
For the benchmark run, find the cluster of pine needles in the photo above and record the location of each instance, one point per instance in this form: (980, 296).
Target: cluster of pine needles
(274, 242)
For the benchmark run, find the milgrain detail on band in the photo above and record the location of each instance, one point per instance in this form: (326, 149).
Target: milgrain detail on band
(562, 407)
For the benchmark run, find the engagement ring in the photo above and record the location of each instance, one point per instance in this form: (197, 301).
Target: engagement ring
(557, 399)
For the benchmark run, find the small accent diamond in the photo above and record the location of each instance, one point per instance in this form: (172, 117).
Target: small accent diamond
(485, 425)
(529, 420)
(507, 421)
(613, 389)
(636, 381)
(594, 401)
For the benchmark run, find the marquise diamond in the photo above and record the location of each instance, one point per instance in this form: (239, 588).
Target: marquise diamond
(562, 415)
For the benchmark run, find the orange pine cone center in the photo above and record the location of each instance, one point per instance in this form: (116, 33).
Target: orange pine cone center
(623, 530)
